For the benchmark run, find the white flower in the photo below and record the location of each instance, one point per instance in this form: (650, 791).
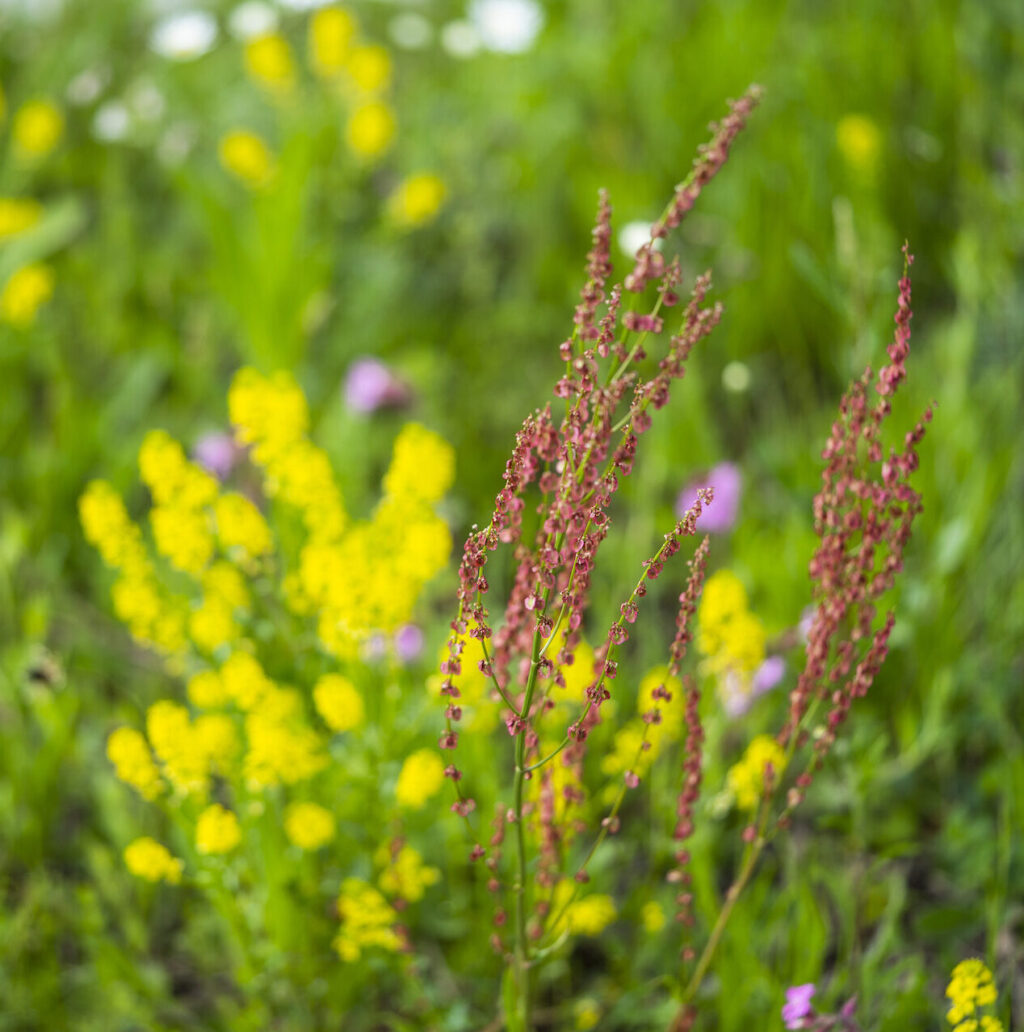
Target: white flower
(736, 377)
(410, 31)
(146, 102)
(181, 37)
(111, 122)
(634, 235)
(460, 39)
(507, 26)
(303, 5)
(252, 18)
(87, 85)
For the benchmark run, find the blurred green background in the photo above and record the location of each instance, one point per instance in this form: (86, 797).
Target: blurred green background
(880, 123)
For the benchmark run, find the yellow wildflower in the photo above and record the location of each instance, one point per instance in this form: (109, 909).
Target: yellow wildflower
(174, 740)
(860, 142)
(18, 214)
(241, 526)
(147, 858)
(405, 875)
(971, 986)
(338, 701)
(417, 199)
(421, 777)
(422, 465)
(173, 480)
(268, 60)
(746, 779)
(369, 67)
(184, 536)
(133, 763)
(217, 830)
(308, 825)
(109, 529)
(244, 681)
(331, 30)
(37, 128)
(370, 129)
(217, 739)
(280, 751)
(652, 917)
(587, 916)
(367, 920)
(27, 289)
(206, 690)
(586, 1014)
(247, 157)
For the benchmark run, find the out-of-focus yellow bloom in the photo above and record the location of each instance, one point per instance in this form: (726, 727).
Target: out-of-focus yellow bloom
(971, 986)
(746, 778)
(586, 1014)
(171, 478)
(405, 875)
(730, 637)
(108, 527)
(281, 751)
(367, 920)
(184, 536)
(417, 199)
(369, 67)
(18, 214)
(37, 128)
(133, 763)
(338, 701)
(28, 288)
(331, 30)
(652, 916)
(182, 753)
(860, 142)
(422, 465)
(247, 157)
(146, 858)
(421, 777)
(308, 825)
(370, 129)
(217, 830)
(206, 690)
(268, 60)
(588, 916)
(241, 526)
(217, 739)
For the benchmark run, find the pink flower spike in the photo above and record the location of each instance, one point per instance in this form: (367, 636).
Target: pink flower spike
(720, 516)
(798, 1005)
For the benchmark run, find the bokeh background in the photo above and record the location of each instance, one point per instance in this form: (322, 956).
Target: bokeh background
(443, 232)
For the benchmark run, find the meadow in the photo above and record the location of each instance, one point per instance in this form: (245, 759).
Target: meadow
(308, 312)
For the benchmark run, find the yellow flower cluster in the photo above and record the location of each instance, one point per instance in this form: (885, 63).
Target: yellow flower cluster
(247, 157)
(746, 779)
(361, 577)
(421, 777)
(860, 143)
(217, 831)
(18, 214)
(405, 875)
(146, 858)
(37, 128)
(367, 920)
(128, 751)
(308, 825)
(588, 916)
(730, 637)
(27, 289)
(416, 200)
(269, 62)
(338, 701)
(971, 987)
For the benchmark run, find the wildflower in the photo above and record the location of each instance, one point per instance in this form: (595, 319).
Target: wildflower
(971, 986)
(405, 875)
(111, 122)
(421, 777)
(217, 739)
(331, 31)
(217, 453)
(28, 288)
(184, 35)
(217, 830)
(370, 385)
(147, 858)
(417, 199)
(798, 1005)
(268, 60)
(308, 825)
(507, 26)
(206, 690)
(247, 157)
(37, 128)
(241, 527)
(588, 916)
(338, 701)
(720, 516)
(422, 465)
(367, 920)
(731, 638)
(461, 39)
(860, 142)
(370, 129)
(252, 18)
(18, 214)
(747, 778)
(768, 675)
(182, 754)
(410, 31)
(133, 763)
(586, 1014)
(652, 917)
(633, 236)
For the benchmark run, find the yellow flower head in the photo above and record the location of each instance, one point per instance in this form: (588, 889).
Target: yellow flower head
(590, 915)
(247, 157)
(370, 129)
(369, 67)
(422, 465)
(24, 293)
(417, 199)
(217, 830)
(338, 701)
(367, 920)
(37, 128)
(331, 30)
(971, 986)
(405, 875)
(860, 142)
(421, 777)
(18, 214)
(652, 916)
(747, 778)
(269, 61)
(241, 526)
(174, 740)
(133, 763)
(206, 690)
(308, 825)
(146, 858)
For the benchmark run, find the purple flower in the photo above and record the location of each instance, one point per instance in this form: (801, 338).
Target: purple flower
(217, 453)
(408, 642)
(371, 385)
(768, 675)
(798, 1005)
(718, 518)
